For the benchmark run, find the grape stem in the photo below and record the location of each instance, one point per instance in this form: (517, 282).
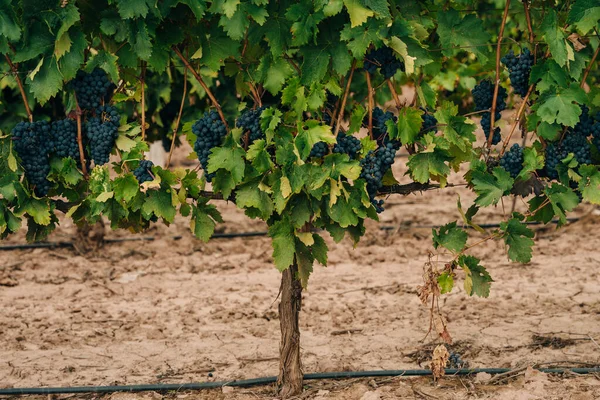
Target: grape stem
(343, 105)
(370, 89)
(78, 113)
(201, 82)
(517, 119)
(142, 82)
(592, 61)
(20, 84)
(394, 94)
(528, 18)
(496, 86)
(176, 127)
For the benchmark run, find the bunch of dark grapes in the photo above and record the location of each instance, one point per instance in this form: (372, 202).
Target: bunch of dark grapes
(380, 118)
(143, 173)
(32, 143)
(90, 89)
(347, 144)
(319, 150)
(102, 131)
(374, 167)
(249, 121)
(595, 131)
(456, 362)
(209, 131)
(558, 151)
(586, 122)
(483, 95)
(519, 68)
(385, 59)
(64, 139)
(429, 123)
(512, 160)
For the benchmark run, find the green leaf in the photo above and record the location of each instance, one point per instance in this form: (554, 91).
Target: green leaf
(62, 46)
(491, 187)
(133, 8)
(409, 124)
(358, 13)
(465, 33)
(400, 47)
(71, 62)
(532, 161)
(231, 160)
(69, 16)
(518, 239)
(359, 39)
(126, 188)
(309, 134)
(39, 210)
(9, 26)
(203, 220)
(105, 61)
(141, 43)
(160, 203)
(282, 234)
(451, 237)
(256, 202)
(585, 15)
(477, 279)
(547, 74)
(47, 82)
(429, 164)
(562, 199)
(273, 73)
(554, 36)
(589, 185)
(319, 249)
(562, 107)
(304, 260)
(445, 282)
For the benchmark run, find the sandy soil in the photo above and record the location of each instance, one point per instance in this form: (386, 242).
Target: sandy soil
(177, 311)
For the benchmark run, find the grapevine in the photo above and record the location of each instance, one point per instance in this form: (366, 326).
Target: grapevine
(512, 160)
(519, 68)
(91, 88)
(102, 132)
(32, 142)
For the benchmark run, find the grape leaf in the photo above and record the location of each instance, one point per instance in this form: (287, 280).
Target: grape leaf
(105, 61)
(491, 187)
(38, 209)
(203, 220)
(254, 201)
(359, 39)
(477, 279)
(467, 32)
(445, 282)
(562, 107)
(518, 238)
(584, 14)
(319, 249)
(48, 81)
(311, 133)
(9, 26)
(358, 13)
(126, 188)
(231, 160)
(562, 199)
(400, 47)
(430, 163)
(133, 8)
(282, 234)
(589, 185)
(160, 203)
(548, 74)
(555, 38)
(451, 237)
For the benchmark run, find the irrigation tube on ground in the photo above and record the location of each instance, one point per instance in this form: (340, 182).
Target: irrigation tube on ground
(52, 245)
(272, 379)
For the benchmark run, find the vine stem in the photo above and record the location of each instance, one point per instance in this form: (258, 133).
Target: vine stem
(21, 89)
(495, 98)
(528, 18)
(476, 112)
(589, 67)
(143, 83)
(80, 139)
(176, 127)
(201, 82)
(370, 89)
(343, 105)
(517, 119)
(394, 94)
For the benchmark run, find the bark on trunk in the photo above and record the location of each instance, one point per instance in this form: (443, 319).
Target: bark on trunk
(89, 238)
(289, 381)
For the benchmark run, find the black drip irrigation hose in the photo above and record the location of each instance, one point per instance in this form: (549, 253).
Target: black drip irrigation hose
(272, 379)
(52, 245)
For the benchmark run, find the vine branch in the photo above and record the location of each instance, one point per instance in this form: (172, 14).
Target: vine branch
(370, 89)
(589, 67)
(495, 98)
(394, 94)
(21, 89)
(176, 127)
(343, 105)
(80, 139)
(201, 82)
(528, 18)
(143, 83)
